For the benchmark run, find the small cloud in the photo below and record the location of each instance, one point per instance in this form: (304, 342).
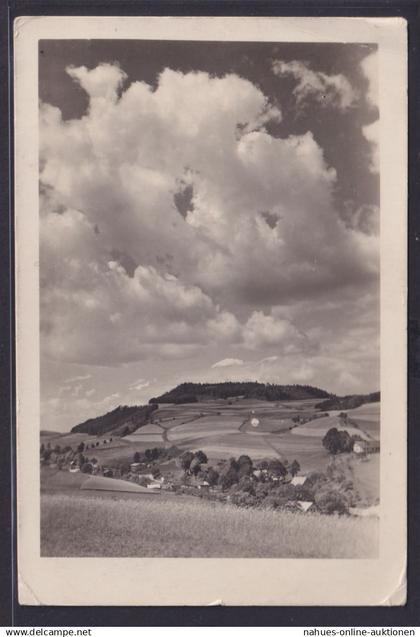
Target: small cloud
(327, 90)
(268, 359)
(110, 398)
(228, 362)
(76, 379)
(140, 384)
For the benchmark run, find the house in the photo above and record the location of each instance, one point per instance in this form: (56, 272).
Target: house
(135, 466)
(304, 506)
(74, 467)
(204, 486)
(154, 485)
(366, 446)
(298, 481)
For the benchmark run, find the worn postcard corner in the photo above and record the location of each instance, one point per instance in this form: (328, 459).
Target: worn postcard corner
(211, 332)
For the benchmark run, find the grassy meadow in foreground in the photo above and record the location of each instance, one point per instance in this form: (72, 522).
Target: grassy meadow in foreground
(74, 526)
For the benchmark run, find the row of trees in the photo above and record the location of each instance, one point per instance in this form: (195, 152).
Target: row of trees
(195, 392)
(235, 470)
(330, 492)
(349, 402)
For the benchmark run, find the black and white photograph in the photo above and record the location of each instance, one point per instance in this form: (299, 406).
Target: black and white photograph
(210, 287)
(209, 222)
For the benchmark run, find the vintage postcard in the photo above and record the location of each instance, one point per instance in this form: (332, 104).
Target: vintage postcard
(211, 310)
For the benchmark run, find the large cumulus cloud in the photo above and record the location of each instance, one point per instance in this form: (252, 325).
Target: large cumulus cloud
(172, 220)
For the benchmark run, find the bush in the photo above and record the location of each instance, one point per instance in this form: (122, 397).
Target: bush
(288, 491)
(212, 476)
(228, 477)
(246, 485)
(294, 467)
(195, 466)
(245, 466)
(315, 479)
(124, 468)
(185, 460)
(155, 471)
(262, 490)
(201, 457)
(263, 464)
(153, 454)
(273, 501)
(246, 500)
(331, 501)
(277, 468)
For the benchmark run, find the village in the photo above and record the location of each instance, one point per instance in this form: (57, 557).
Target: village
(263, 483)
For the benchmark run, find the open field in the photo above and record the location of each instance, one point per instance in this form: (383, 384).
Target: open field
(63, 439)
(367, 478)
(231, 427)
(367, 417)
(54, 480)
(99, 483)
(47, 434)
(320, 426)
(139, 437)
(74, 526)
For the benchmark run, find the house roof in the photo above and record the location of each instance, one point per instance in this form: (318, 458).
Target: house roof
(304, 505)
(297, 480)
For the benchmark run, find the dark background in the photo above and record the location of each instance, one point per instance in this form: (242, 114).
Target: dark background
(10, 611)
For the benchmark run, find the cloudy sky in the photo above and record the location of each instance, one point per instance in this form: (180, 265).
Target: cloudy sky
(208, 211)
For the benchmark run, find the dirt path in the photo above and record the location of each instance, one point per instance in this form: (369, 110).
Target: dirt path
(243, 424)
(167, 430)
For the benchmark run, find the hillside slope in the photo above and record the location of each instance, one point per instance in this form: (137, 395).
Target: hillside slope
(81, 526)
(120, 421)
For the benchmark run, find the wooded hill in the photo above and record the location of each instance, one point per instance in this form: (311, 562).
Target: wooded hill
(349, 402)
(121, 421)
(196, 392)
